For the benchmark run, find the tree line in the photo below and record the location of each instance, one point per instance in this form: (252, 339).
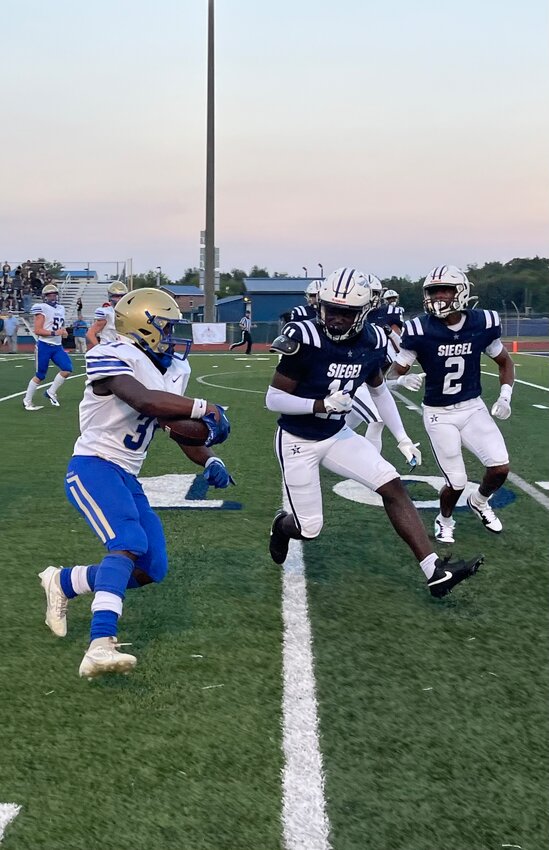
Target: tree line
(522, 281)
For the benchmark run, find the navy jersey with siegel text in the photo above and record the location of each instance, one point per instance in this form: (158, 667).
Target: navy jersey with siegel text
(451, 358)
(322, 367)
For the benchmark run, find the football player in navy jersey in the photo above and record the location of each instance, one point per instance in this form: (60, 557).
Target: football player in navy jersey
(322, 364)
(364, 408)
(448, 343)
(307, 311)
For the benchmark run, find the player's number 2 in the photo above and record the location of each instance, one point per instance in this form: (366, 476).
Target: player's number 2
(456, 367)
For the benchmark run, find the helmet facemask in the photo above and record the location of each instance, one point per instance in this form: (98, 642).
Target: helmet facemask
(447, 277)
(329, 312)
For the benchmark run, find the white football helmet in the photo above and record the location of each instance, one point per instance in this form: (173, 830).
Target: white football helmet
(311, 293)
(344, 294)
(377, 289)
(391, 296)
(446, 276)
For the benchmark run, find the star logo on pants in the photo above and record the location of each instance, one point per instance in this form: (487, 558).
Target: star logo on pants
(433, 418)
(296, 450)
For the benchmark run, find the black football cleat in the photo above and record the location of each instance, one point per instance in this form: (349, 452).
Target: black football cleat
(279, 542)
(447, 574)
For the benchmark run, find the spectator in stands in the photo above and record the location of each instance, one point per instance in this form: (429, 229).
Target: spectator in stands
(6, 269)
(79, 308)
(17, 276)
(79, 329)
(11, 323)
(26, 292)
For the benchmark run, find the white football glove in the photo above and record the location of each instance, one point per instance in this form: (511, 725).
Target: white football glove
(410, 451)
(501, 409)
(413, 381)
(338, 402)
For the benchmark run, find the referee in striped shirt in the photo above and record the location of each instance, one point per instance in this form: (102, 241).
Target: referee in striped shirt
(246, 325)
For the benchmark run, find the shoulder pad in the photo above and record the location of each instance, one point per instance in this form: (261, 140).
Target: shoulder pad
(284, 345)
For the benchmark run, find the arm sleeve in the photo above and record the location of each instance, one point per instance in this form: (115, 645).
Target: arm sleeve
(280, 402)
(388, 411)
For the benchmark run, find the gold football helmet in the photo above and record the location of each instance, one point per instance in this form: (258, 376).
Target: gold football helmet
(151, 318)
(117, 288)
(50, 289)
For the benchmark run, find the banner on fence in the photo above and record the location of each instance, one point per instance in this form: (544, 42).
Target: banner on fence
(209, 332)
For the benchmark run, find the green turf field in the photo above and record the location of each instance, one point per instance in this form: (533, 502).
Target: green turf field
(433, 722)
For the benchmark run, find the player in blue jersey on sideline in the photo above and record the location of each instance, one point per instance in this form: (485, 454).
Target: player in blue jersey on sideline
(448, 342)
(130, 382)
(323, 363)
(49, 330)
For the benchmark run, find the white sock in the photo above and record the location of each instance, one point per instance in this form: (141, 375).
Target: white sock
(105, 601)
(445, 520)
(79, 579)
(59, 380)
(428, 565)
(478, 499)
(31, 389)
(373, 434)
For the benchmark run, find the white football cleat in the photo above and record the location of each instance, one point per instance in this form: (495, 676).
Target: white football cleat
(444, 529)
(486, 515)
(28, 405)
(56, 601)
(52, 398)
(103, 657)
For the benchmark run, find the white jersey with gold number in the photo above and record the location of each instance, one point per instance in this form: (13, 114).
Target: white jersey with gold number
(110, 428)
(107, 333)
(54, 318)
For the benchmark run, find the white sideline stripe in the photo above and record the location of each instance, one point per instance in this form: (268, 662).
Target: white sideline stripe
(513, 477)
(41, 386)
(8, 812)
(304, 819)
(517, 381)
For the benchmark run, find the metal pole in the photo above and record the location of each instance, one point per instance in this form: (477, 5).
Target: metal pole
(209, 253)
(518, 320)
(305, 270)
(158, 276)
(321, 267)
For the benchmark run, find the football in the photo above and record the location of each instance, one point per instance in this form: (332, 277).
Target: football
(186, 432)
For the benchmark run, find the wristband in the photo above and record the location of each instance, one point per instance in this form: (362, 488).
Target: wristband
(199, 408)
(213, 459)
(506, 391)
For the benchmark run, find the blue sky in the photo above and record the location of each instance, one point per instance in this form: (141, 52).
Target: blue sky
(390, 136)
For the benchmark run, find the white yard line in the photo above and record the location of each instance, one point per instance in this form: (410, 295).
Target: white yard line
(304, 818)
(517, 381)
(42, 386)
(512, 477)
(8, 812)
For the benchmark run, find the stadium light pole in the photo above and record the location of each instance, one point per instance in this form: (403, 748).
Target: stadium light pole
(305, 270)
(321, 267)
(209, 253)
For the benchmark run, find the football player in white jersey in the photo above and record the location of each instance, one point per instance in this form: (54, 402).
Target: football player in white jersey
(129, 384)
(103, 328)
(49, 330)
